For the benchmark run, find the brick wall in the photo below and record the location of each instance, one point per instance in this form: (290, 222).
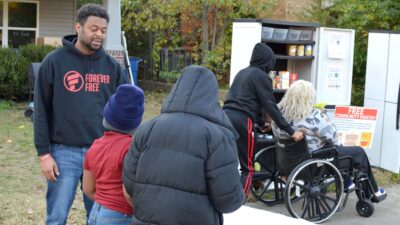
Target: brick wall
(297, 9)
(292, 10)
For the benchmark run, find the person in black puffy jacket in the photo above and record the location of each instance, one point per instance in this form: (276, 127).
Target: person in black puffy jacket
(182, 168)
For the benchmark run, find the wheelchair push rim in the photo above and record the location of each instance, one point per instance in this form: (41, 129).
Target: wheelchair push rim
(318, 187)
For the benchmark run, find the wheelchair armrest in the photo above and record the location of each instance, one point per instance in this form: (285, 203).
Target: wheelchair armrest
(324, 153)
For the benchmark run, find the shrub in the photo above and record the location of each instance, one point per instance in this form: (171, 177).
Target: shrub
(14, 69)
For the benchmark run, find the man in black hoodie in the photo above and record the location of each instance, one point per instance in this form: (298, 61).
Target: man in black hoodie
(249, 94)
(182, 168)
(73, 85)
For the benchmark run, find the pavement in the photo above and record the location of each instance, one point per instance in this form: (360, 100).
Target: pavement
(386, 212)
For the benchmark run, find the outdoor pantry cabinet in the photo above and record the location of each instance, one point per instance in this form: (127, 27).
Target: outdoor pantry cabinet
(382, 91)
(328, 66)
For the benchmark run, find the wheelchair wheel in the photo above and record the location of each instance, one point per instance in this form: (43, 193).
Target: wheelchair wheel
(318, 186)
(365, 207)
(267, 187)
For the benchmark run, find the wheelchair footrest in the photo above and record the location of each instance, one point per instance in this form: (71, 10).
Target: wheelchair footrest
(379, 198)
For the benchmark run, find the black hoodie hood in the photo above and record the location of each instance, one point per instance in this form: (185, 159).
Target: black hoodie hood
(263, 57)
(196, 92)
(69, 42)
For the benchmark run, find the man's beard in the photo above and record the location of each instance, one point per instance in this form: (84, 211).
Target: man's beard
(89, 46)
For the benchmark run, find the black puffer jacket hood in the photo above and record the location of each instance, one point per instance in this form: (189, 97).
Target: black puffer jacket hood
(182, 168)
(196, 92)
(263, 57)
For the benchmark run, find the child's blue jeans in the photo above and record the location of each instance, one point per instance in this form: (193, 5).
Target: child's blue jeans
(100, 215)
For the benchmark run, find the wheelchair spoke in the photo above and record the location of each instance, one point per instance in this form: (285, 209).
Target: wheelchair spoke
(263, 193)
(322, 205)
(306, 208)
(329, 198)
(312, 208)
(298, 198)
(309, 174)
(318, 208)
(300, 185)
(325, 203)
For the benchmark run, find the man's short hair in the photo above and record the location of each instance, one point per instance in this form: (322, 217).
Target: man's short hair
(91, 10)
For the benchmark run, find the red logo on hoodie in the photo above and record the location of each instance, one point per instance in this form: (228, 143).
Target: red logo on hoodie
(73, 81)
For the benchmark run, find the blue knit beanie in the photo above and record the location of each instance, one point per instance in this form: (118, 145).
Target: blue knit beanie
(124, 109)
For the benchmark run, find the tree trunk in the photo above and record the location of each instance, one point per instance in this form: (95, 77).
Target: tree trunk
(222, 31)
(151, 61)
(205, 26)
(215, 30)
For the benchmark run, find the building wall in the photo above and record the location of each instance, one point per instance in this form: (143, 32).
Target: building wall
(297, 9)
(56, 17)
(292, 10)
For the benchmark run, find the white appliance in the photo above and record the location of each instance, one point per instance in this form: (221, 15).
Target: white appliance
(382, 92)
(329, 68)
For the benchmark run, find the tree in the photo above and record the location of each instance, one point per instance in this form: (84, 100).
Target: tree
(362, 16)
(203, 26)
(150, 25)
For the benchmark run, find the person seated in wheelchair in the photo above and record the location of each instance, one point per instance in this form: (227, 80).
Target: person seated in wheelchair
(297, 108)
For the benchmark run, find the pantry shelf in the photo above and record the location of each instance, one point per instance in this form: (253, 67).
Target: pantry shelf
(307, 42)
(286, 57)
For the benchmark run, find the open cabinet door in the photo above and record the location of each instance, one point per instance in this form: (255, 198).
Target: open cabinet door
(244, 36)
(335, 66)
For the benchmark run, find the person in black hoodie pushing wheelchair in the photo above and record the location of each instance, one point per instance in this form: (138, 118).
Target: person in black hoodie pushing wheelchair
(249, 94)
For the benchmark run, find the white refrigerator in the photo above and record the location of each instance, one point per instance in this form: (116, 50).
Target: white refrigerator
(382, 92)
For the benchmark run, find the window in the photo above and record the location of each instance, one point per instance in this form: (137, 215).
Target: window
(1, 14)
(17, 38)
(22, 14)
(18, 22)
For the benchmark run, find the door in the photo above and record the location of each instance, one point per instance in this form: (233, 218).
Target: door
(390, 154)
(335, 66)
(377, 61)
(244, 36)
(393, 75)
(374, 153)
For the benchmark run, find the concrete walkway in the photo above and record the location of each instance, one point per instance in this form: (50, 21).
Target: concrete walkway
(386, 212)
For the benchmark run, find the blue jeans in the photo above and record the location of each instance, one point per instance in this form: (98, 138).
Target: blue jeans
(100, 215)
(61, 193)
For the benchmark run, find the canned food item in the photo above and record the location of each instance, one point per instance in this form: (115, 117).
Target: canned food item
(308, 50)
(292, 49)
(276, 84)
(293, 77)
(300, 50)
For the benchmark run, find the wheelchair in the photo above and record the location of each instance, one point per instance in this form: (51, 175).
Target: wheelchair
(311, 184)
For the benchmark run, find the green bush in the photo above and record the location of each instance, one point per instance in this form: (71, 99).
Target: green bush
(169, 76)
(14, 69)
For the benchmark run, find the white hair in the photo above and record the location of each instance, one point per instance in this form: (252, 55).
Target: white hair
(298, 101)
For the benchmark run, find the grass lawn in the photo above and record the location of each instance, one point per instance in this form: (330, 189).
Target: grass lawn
(22, 187)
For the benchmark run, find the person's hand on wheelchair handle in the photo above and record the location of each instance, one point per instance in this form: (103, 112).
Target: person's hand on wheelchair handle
(266, 127)
(298, 135)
